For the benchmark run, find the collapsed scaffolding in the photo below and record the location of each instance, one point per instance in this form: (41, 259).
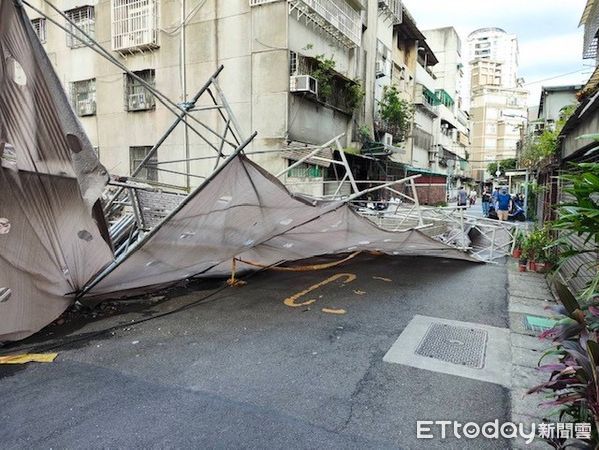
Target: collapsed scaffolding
(74, 232)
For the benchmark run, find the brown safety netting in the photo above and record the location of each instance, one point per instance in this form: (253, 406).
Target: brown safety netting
(50, 180)
(54, 244)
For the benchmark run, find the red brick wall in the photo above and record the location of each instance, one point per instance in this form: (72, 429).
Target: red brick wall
(431, 194)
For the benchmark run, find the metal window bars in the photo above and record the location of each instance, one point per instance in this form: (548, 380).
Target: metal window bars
(39, 25)
(137, 96)
(335, 17)
(392, 9)
(134, 24)
(84, 18)
(83, 97)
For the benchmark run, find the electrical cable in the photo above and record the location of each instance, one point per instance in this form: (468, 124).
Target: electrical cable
(41, 348)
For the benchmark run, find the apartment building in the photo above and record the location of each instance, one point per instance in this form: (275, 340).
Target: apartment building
(454, 137)
(270, 49)
(497, 45)
(497, 116)
(498, 104)
(429, 73)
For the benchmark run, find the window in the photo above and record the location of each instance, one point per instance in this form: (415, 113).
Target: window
(305, 170)
(84, 18)
(83, 97)
(137, 96)
(39, 25)
(422, 139)
(136, 156)
(134, 24)
(292, 63)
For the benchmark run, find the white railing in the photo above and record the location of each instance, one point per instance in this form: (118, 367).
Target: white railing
(336, 13)
(134, 24)
(393, 7)
(261, 2)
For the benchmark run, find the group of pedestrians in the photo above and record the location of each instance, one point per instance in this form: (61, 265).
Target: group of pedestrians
(503, 205)
(498, 204)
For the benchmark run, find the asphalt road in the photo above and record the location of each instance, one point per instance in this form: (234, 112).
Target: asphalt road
(246, 371)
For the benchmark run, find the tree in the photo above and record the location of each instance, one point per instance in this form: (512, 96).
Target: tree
(505, 165)
(546, 145)
(396, 114)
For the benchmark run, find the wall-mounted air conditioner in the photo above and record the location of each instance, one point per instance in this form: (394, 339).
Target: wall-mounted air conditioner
(139, 102)
(86, 107)
(303, 83)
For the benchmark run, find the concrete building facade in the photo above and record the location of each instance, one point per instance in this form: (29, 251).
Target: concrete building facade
(270, 50)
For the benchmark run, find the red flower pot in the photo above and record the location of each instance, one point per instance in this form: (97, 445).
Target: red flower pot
(521, 267)
(532, 266)
(517, 253)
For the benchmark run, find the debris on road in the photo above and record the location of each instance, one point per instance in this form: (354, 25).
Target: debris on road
(28, 357)
(339, 311)
(388, 280)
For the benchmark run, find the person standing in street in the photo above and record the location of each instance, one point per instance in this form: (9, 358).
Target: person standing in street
(462, 197)
(504, 204)
(473, 196)
(486, 201)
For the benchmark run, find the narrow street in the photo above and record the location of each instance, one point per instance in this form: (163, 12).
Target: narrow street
(245, 370)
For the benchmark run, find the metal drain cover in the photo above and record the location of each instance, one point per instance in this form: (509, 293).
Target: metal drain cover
(454, 344)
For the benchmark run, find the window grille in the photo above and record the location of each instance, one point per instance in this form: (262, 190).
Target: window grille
(137, 96)
(305, 170)
(39, 25)
(136, 156)
(292, 63)
(134, 24)
(83, 97)
(84, 18)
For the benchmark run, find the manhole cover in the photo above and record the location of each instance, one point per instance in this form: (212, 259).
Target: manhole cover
(456, 345)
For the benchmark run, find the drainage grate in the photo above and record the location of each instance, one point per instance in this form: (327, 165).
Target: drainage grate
(456, 345)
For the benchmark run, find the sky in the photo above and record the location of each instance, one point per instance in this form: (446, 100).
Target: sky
(549, 39)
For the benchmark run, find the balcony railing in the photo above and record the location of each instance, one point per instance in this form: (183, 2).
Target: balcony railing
(393, 9)
(462, 117)
(336, 17)
(422, 99)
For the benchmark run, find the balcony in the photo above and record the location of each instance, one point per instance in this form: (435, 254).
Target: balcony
(462, 118)
(392, 9)
(425, 99)
(335, 17)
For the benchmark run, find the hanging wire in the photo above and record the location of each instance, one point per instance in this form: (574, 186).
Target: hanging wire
(96, 47)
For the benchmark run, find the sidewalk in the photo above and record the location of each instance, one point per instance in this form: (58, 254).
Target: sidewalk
(528, 297)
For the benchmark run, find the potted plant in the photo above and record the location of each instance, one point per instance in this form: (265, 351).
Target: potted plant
(529, 251)
(522, 264)
(518, 240)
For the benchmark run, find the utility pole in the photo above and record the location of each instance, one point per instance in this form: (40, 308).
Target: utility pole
(183, 69)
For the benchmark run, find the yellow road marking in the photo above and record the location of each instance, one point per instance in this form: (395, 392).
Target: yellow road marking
(290, 301)
(334, 310)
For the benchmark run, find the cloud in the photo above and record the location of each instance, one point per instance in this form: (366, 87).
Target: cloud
(550, 41)
(559, 50)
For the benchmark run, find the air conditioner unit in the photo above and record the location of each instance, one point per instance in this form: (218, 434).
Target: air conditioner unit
(139, 102)
(86, 107)
(303, 83)
(379, 69)
(388, 139)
